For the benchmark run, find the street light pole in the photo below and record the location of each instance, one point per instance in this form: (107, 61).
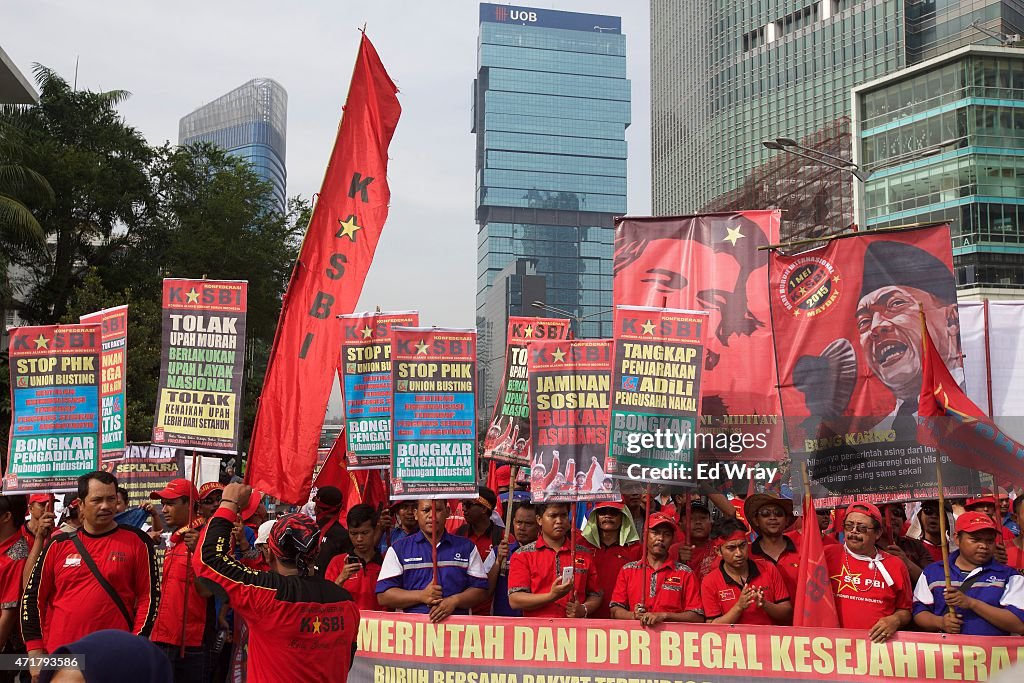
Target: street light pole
(567, 314)
(862, 174)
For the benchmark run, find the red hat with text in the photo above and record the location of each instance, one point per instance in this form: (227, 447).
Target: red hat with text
(869, 509)
(660, 519)
(176, 488)
(972, 522)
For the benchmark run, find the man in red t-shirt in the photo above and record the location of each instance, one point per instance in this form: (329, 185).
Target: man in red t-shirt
(357, 571)
(180, 598)
(872, 588)
(535, 576)
(64, 600)
(657, 589)
(13, 553)
(611, 536)
(696, 552)
(743, 590)
(770, 516)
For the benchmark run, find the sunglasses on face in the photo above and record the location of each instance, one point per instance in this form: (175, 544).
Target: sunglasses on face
(859, 528)
(770, 512)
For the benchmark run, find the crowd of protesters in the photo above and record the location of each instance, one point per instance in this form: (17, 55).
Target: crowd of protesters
(240, 593)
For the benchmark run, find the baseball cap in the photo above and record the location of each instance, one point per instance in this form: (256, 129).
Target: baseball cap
(659, 518)
(988, 499)
(176, 488)
(263, 533)
(613, 504)
(209, 487)
(503, 476)
(42, 498)
(250, 508)
(868, 509)
(971, 522)
(328, 495)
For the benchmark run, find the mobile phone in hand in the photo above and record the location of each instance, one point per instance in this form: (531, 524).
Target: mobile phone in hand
(567, 575)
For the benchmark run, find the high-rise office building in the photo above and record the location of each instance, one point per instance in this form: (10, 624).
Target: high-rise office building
(728, 74)
(249, 122)
(551, 104)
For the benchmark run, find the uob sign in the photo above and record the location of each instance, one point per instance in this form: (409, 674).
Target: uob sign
(510, 14)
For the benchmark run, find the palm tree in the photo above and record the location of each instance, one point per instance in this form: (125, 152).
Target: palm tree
(19, 183)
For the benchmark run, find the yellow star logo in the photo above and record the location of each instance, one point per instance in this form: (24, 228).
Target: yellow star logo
(835, 278)
(349, 227)
(41, 342)
(802, 290)
(528, 332)
(193, 296)
(734, 234)
(558, 355)
(796, 313)
(316, 625)
(845, 578)
(421, 348)
(367, 332)
(648, 328)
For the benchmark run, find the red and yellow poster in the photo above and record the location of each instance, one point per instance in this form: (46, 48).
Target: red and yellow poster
(848, 320)
(713, 263)
(113, 363)
(408, 647)
(508, 436)
(201, 365)
(570, 383)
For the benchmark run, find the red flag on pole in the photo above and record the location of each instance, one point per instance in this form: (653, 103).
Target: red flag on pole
(815, 606)
(343, 232)
(950, 422)
(360, 486)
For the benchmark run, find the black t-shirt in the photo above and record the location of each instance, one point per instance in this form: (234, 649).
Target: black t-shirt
(333, 541)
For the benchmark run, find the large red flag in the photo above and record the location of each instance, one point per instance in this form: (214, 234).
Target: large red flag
(815, 605)
(360, 486)
(952, 424)
(347, 222)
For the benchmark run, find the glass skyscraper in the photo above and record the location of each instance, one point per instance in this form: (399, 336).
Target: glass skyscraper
(551, 103)
(250, 122)
(727, 74)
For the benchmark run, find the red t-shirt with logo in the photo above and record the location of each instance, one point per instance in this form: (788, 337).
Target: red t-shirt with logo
(862, 594)
(702, 559)
(719, 592)
(788, 563)
(609, 561)
(13, 554)
(536, 567)
(673, 587)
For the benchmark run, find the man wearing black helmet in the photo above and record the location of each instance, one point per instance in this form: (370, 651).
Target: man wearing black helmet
(297, 622)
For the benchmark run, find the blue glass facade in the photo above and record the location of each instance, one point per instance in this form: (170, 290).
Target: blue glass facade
(249, 122)
(551, 106)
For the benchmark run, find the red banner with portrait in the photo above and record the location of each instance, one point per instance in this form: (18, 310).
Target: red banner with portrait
(850, 363)
(713, 263)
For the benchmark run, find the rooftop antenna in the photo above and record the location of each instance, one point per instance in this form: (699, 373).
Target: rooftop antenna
(1004, 39)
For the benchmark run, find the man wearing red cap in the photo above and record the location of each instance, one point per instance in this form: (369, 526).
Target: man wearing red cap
(872, 588)
(99, 577)
(209, 498)
(990, 506)
(986, 598)
(741, 589)
(39, 505)
(663, 590)
(610, 535)
(180, 599)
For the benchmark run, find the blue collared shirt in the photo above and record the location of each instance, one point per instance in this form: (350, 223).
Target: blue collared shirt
(997, 585)
(409, 565)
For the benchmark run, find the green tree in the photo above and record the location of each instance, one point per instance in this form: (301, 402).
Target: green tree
(97, 166)
(19, 183)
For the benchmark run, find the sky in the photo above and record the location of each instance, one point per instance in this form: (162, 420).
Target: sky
(174, 57)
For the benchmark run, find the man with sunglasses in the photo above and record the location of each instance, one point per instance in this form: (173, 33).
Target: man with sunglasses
(930, 530)
(210, 494)
(872, 588)
(770, 516)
